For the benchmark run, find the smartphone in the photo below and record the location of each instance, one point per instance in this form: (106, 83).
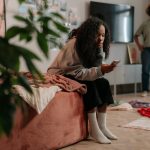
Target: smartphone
(115, 62)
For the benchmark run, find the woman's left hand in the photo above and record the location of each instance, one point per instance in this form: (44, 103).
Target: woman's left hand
(106, 68)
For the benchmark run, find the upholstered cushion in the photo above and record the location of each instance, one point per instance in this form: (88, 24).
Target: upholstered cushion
(60, 124)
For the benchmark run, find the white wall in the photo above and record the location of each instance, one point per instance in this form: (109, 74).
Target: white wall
(118, 51)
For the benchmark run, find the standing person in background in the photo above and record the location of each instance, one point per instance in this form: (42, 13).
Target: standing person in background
(144, 31)
(81, 60)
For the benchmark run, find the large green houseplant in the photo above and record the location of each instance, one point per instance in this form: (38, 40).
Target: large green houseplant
(46, 28)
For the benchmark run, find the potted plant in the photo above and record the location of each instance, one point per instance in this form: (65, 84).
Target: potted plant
(46, 27)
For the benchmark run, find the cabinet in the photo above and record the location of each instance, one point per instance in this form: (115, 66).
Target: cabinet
(125, 74)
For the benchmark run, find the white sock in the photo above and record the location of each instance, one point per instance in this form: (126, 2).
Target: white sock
(103, 127)
(95, 132)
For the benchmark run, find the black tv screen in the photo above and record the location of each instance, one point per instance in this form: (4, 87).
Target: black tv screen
(119, 18)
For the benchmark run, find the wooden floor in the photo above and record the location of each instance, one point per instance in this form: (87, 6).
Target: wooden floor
(129, 139)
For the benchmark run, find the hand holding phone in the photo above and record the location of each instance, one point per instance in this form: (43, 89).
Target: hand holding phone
(115, 62)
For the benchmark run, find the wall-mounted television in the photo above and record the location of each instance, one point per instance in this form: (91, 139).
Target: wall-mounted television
(119, 18)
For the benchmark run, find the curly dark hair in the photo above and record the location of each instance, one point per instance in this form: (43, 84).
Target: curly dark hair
(86, 46)
(72, 33)
(148, 10)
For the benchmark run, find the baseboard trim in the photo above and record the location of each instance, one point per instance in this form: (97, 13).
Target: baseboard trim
(126, 88)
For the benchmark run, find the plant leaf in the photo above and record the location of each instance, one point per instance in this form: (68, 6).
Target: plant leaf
(21, 80)
(12, 59)
(52, 32)
(21, 1)
(55, 14)
(61, 27)
(26, 53)
(6, 116)
(42, 42)
(13, 31)
(20, 18)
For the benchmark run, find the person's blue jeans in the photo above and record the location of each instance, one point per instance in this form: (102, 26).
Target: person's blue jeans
(145, 58)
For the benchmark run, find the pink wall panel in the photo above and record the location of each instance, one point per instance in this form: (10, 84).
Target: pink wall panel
(2, 23)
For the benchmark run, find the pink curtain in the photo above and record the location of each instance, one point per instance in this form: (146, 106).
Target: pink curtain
(2, 22)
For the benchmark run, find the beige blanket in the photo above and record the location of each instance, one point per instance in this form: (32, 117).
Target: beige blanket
(40, 98)
(45, 90)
